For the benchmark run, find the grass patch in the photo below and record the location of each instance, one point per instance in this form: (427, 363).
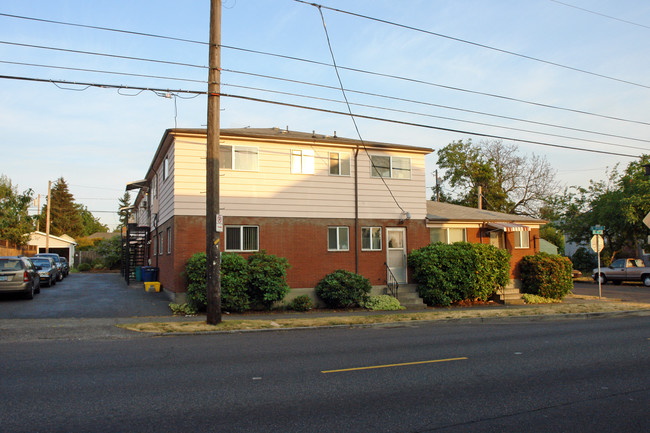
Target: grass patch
(192, 327)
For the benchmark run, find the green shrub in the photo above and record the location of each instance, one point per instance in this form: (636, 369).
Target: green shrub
(267, 278)
(584, 260)
(260, 280)
(343, 289)
(234, 283)
(534, 299)
(84, 267)
(182, 309)
(382, 303)
(301, 303)
(451, 273)
(546, 275)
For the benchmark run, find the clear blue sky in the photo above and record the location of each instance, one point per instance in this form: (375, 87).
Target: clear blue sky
(100, 139)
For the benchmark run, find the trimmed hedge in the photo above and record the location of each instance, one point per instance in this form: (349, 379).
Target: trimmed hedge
(546, 275)
(260, 280)
(343, 289)
(451, 273)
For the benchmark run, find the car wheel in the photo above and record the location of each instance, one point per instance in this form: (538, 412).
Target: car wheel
(602, 279)
(646, 280)
(29, 294)
(37, 288)
(59, 277)
(53, 282)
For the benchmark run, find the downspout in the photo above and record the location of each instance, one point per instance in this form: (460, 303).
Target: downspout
(356, 211)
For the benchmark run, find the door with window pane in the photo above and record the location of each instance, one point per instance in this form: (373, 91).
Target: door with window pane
(396, 252)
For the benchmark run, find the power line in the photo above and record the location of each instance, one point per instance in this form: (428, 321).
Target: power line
(322, 110)
(500, 50)
(600, 14)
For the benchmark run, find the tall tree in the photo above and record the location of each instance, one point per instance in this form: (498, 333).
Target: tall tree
(15, 222)
(64, 214)
(620, 203)
(510, 182)
(90, 223)
(124, 201)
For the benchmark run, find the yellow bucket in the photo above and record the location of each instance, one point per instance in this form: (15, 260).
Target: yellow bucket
(152, 286)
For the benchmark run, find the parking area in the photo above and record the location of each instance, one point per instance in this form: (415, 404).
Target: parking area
(629, 292)
(86, 295)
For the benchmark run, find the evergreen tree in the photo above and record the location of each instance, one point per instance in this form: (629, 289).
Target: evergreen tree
(65, 217)
(124, 201)
(15, 222)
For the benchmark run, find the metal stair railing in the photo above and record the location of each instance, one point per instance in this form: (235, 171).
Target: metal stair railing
(391, 282)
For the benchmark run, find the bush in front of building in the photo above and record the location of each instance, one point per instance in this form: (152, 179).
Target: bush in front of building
(267, 278)
(258, 281)
(460, 271)
(546, 275)
(382, 303)
(343, 289)
(84, 267)
(301, 303)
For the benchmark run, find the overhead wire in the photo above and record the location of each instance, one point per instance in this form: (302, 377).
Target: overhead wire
(465, 41)
(600, 14)
(322, 110)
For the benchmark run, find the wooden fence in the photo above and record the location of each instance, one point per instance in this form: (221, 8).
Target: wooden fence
(9, 249)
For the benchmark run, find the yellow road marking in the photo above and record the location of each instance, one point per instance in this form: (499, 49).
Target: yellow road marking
(392, 365)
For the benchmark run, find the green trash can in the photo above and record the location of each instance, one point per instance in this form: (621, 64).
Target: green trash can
(138, 273)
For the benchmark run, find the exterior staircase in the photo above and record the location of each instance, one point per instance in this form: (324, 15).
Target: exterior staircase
(510, 296)
(409, 298)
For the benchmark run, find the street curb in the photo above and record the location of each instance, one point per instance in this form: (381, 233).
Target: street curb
(469, 320)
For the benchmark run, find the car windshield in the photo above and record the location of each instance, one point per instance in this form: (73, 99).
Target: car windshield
(43, 263)
(10, 265)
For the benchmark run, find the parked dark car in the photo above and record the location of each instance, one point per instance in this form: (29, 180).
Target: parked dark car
(48, 271)
(57, 260)
(19, 275)
(66, 266)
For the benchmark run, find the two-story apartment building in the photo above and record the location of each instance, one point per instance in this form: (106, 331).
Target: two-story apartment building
(323, 202)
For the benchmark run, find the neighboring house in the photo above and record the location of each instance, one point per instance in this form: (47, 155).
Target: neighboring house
(547, 247)
(518, 234)
(316, 200)
(63, 245)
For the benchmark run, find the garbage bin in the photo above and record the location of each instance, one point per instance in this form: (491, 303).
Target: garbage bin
(149, 273)
(138, 273)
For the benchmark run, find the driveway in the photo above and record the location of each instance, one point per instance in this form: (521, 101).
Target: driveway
(631, 292)
(87, 295)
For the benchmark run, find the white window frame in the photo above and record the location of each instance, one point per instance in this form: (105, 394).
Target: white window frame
(155, 245)
(370, 231)
(302, 161)
(519, 239)
(169, 240)
(161, 244)
(154, 185)
(446, 232)
(338, 246)
(339, 166)
(233, 159)
(228, 229)
(392, 171)
(165, 167)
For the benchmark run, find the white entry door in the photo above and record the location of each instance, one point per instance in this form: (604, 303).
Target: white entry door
(396, 252)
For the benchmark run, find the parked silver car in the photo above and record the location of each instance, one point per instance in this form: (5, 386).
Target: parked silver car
(59, 265)
(19, 275)
(47, 271)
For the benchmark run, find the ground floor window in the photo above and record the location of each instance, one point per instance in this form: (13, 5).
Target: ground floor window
(448, 235)
(169, 240)
(338, 238)
(242, 238)
(371, 238)
(522, 240)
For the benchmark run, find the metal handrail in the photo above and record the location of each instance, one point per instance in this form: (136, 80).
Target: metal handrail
(391, 282)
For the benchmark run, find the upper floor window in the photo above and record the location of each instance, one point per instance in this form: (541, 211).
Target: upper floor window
(165, 171)
(302, 161)
(522, 239)
(339, 164)
(396, 167)
(244, 158)
(154, 185)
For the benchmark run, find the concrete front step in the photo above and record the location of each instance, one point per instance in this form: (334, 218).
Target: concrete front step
(409, 298)
(511, 296)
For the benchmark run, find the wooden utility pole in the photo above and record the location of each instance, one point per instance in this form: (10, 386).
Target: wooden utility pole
(480, 197)
(212, 165)
(47, 217)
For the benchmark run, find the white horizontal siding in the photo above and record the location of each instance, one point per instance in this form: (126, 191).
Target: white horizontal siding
(273, 191)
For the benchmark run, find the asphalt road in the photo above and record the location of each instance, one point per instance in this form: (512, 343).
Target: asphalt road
(628, 291)
(86, 295)
(550, 376)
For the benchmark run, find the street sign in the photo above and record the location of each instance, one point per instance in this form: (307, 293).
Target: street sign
(597, 243)
(219, 223)
(597, 230)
